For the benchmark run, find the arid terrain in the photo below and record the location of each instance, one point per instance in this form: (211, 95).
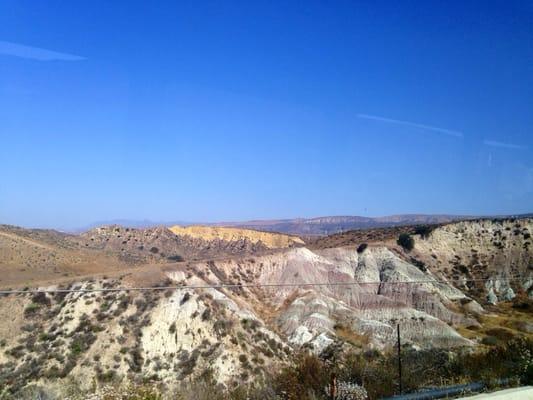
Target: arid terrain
(246, 304)
(317, 226)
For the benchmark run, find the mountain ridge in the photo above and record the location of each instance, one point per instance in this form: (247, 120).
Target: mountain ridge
(321, 225)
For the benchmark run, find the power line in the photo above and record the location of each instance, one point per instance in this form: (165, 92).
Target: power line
(250, 285)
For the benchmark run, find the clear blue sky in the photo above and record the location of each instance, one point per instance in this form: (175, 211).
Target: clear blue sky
(237, 110)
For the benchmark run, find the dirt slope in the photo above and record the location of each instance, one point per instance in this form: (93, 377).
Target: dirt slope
(31, 256)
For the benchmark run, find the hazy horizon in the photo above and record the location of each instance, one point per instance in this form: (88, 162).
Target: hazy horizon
(140, 222)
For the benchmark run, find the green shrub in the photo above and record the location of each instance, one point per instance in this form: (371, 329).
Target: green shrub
(76, 347)
(185, 299)
(424, 230)
(406, 241)
(172, 327)
(419, 264)
(143, 392)
(40, 298)
(31, 309)
(206, 315)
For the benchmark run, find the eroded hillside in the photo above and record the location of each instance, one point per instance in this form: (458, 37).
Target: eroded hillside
(456, 288)
(32, 256)
(163, 244)
(497, 250)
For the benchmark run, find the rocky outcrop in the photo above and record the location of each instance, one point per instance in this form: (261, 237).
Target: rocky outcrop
(163, 245)
(481, 255)
(112, 336)
(369, 293)
(209, 233)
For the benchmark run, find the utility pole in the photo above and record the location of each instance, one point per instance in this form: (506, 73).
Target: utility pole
(399, 359)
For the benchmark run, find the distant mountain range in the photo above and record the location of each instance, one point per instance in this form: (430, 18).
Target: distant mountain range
(130, 223)
(334, 224)
(311, 226)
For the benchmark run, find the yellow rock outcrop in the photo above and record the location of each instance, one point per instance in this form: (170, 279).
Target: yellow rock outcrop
(270, 240)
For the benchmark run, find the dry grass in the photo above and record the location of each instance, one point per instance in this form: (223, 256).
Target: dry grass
(503, 323)
(354, 338)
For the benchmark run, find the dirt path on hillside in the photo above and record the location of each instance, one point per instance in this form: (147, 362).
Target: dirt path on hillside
(26, 240)
(144, 274)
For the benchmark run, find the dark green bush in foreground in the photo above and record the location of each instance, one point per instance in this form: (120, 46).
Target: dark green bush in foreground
(377, 372)
(307, 377)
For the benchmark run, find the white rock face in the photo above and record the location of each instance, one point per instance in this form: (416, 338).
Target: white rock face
(491, 297)
(474, 307)
(300, 336)
(382, 296)
(321, 342)
(157, 338)
(500, 250)
(509, 294)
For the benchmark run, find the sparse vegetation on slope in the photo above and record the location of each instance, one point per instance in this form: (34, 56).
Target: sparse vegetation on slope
(242, 333)
(371, 374)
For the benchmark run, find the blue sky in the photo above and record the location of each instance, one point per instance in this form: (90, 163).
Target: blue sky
(237, 110)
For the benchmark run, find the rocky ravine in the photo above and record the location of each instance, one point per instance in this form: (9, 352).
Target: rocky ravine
(238, 332)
